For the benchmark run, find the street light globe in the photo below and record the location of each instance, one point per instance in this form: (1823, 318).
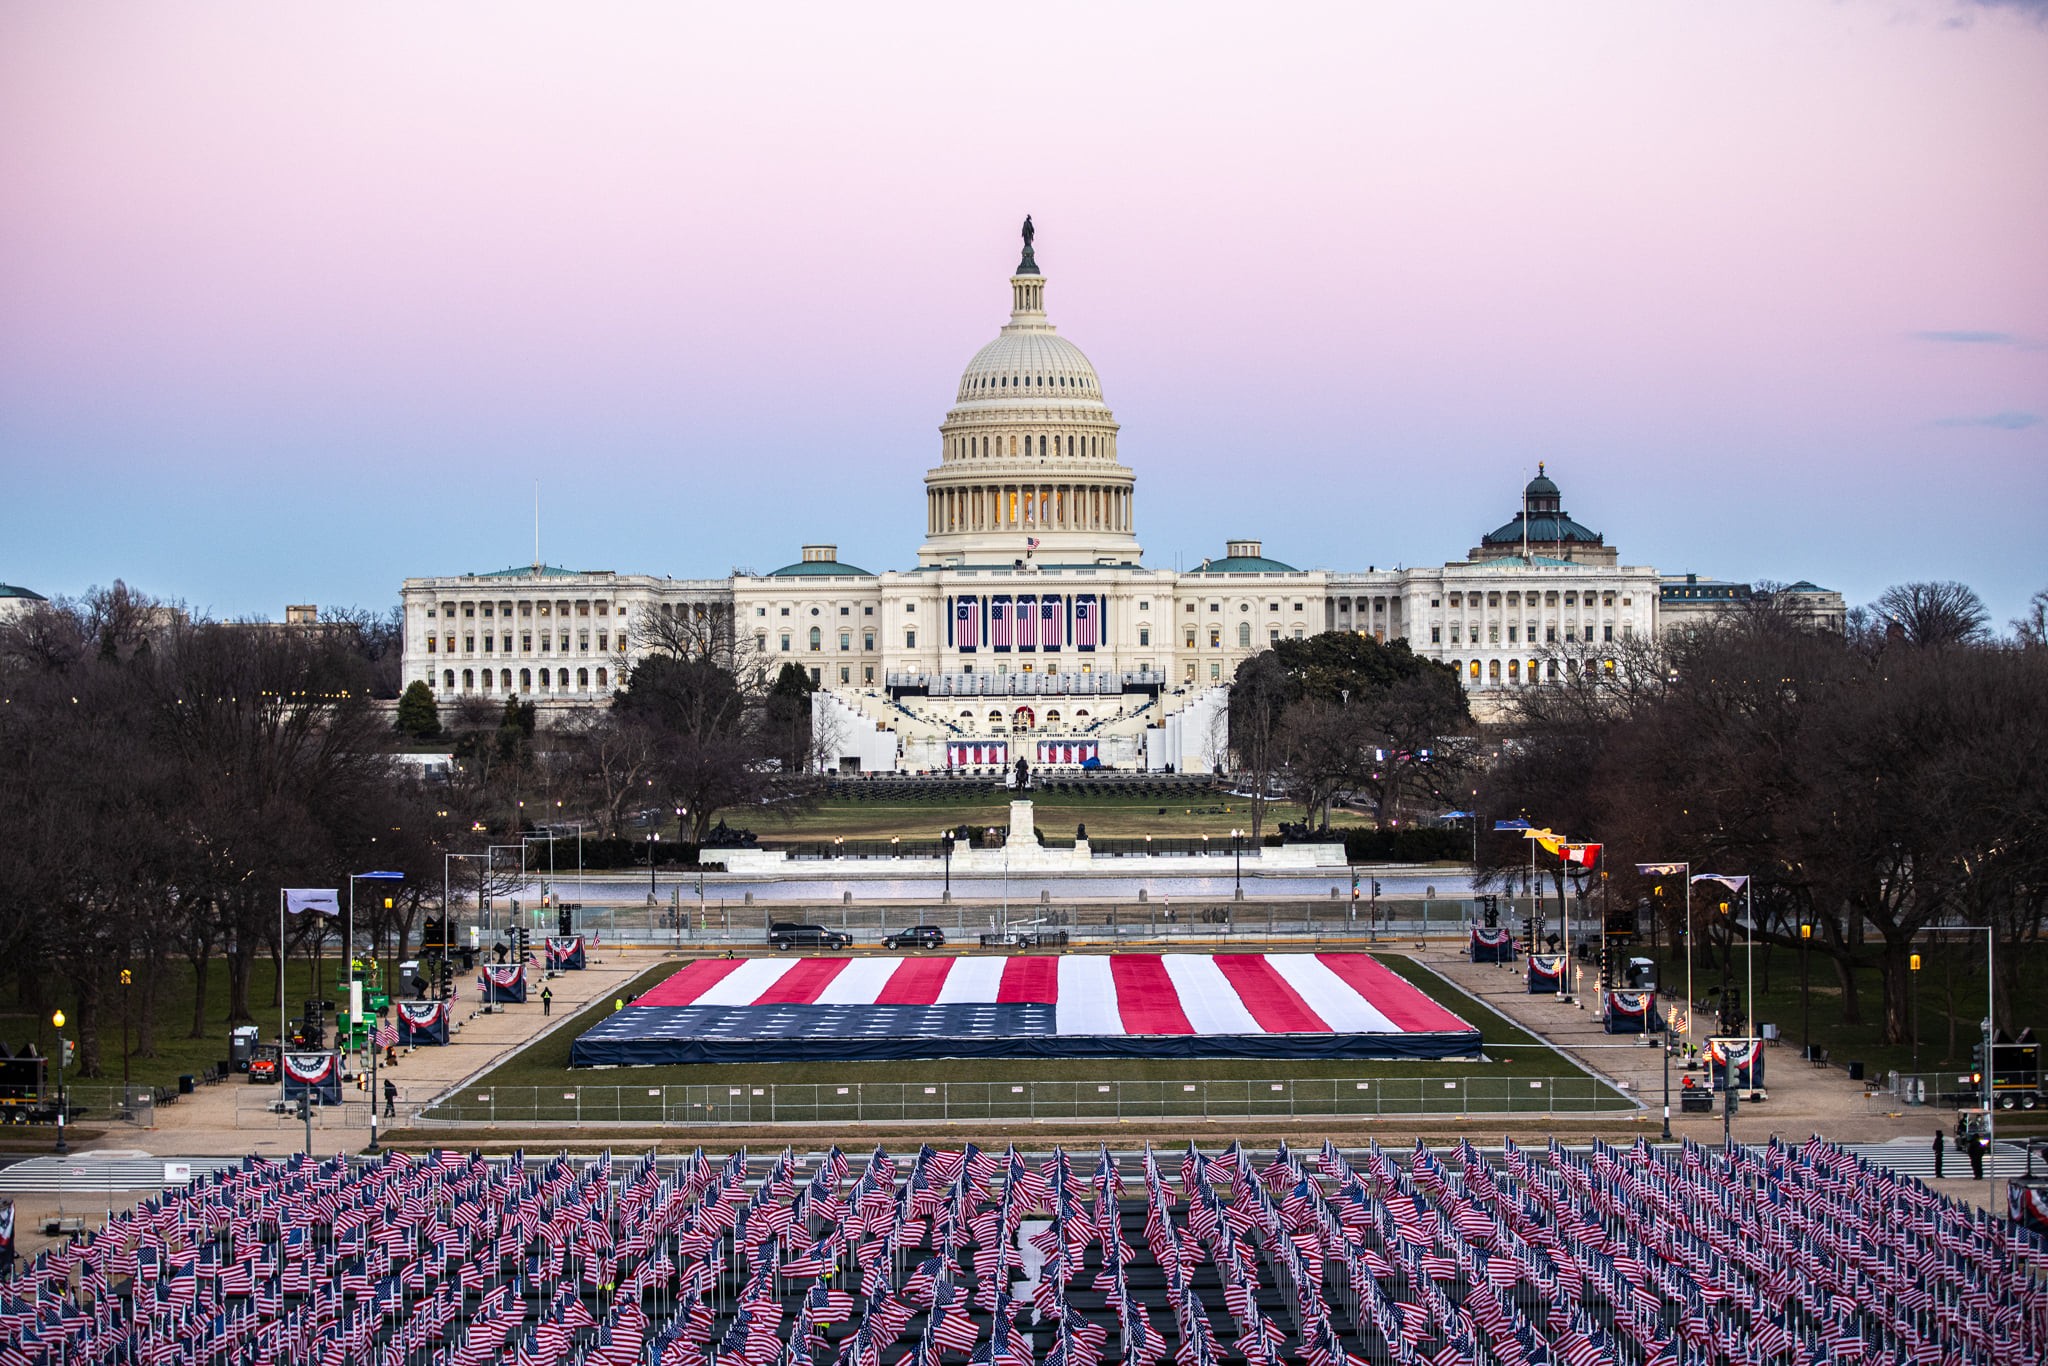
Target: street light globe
(58, 1019)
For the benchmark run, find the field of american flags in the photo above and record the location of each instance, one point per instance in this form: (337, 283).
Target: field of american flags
(1632, 1255)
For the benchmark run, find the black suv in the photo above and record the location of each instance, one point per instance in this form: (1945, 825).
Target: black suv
(916, 937)
(787, 935)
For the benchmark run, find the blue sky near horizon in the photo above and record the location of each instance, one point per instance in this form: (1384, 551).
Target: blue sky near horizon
(296, 303)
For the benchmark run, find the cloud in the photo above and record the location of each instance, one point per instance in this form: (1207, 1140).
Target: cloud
(2037, 8)
(1973, 338)
(2007, 422)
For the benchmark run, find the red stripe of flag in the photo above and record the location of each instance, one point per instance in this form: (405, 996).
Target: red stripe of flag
(1393, 995)
(693, 981)
(1145, 996)
(1277, 1006)
(801, 985)
(1031, 980)
(916, 982)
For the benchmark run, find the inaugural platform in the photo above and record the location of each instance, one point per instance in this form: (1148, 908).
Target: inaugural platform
(1133, 1005)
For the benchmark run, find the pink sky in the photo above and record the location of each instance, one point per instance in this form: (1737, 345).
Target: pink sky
(1764, 283)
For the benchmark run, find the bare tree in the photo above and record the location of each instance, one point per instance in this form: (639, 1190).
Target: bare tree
(1935, 615)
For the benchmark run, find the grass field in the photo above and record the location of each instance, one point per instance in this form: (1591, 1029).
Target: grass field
(537, 1084)
(1106, 816)
(1950, 991)
(175, 1053)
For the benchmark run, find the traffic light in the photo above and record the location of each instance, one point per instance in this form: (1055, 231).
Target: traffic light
(1529, 933)
(1354, 884)
(70, 1053)
(447, 978)
(1375, 889)
(1977, 1064)
(564, 923)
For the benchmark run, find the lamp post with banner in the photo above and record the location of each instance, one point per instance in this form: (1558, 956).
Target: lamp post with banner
(296, 901)
(1684, 871)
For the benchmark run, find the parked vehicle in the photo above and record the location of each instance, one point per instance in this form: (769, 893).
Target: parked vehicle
(916, 937)
(263, 1064)
(790, 935)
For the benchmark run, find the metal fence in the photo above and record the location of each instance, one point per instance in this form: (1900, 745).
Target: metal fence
(682, 921)
(92, 1104)
(1082, 1101)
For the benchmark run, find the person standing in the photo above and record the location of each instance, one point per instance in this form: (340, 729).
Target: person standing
(1940, 1145)
(390, 1099)
(547, 1000)
(1978, 1146)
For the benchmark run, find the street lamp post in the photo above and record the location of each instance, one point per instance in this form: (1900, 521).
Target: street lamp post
(653, 838)
(349, 955)
(1913, 966)
(1667, 1077)
(1805, 995)
(57, 1019)
(946, 850)
(1237, 851)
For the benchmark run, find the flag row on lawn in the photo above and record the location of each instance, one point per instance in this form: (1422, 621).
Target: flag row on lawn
(1639, 1256)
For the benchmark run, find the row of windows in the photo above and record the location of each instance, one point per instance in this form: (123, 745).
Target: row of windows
(1243, 607)
(844, 611)
(1037, 381)
(1571, 633)
(1470, 670)
(1071, 445)
(562, 607)
(559, 680)
(1518, 599)
(503, 644)
(867, 640)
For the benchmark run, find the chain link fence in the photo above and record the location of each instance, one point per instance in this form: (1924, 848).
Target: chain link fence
(1082, 1101)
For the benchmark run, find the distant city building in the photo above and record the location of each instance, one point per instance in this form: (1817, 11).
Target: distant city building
(16, 601)
(1029, 626)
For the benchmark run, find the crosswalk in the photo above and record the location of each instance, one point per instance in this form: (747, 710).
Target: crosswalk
(1915, 1157)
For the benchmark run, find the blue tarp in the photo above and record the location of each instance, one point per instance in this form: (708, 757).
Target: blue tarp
(651, 1035)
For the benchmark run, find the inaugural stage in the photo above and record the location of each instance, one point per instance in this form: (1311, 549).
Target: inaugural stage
(1123, 1005)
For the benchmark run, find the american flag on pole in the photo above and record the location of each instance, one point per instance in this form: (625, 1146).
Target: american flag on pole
(967, 623)
(1027, 623)
(1050, 622)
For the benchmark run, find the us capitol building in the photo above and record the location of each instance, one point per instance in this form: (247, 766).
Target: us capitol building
(1030, 626)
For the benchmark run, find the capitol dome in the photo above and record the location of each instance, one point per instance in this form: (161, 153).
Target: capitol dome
(1028, 465)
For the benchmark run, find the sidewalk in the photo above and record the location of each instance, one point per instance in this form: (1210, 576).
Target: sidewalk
(1804, 1099)
(229, 1119)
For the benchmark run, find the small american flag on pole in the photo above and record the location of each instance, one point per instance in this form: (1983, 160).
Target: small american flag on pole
(387, 1034)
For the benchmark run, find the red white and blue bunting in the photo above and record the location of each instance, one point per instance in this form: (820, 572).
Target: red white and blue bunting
(1744, 1057)
(1546, 973)
(1069, 751)
(1627, 1012)
(1492, 946)
(565, 955)
(317, 1075)
(422, 1022)
(977, 753)
(504, 984)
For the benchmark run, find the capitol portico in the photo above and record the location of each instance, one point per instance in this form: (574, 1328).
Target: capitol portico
(1030, 626)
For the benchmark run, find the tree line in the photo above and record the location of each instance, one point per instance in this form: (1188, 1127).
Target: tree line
(1881, 786)
(164, 776)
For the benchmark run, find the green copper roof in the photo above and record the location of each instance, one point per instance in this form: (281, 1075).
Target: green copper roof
(810, 569)
(1245, 564)
(529, 571)
(1546, 527)
(8, 590)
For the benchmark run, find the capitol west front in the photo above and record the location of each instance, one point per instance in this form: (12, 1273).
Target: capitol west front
(1030, 627)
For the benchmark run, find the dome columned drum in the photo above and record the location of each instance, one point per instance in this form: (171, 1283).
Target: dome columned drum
(1028, 453)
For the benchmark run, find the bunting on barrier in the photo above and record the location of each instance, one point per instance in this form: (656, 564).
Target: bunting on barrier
(422, 1022)
(506, 983)
(1627, 1012)
(1741, 1058)
(565, 954)
(1546, 973)
(1492, 946)
(315, 1075)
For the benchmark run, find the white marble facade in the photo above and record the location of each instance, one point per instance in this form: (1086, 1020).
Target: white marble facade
(1029, 613)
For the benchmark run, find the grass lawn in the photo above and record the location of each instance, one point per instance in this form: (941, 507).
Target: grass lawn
(1951, 969)
(537, 1082)
(175, 1053)
(1106, 816)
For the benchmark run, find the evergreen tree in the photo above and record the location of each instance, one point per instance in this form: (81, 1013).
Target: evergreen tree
(419, 717)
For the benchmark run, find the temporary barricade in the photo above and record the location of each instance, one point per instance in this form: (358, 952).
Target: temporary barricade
(504, 984)
(423, 1022)
(316, 1076)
